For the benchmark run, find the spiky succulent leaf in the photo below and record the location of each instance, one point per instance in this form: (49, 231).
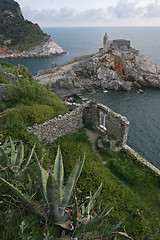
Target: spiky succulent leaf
(20, 156)
(24, 200)
(6, 147)
(59, 170)
(13, 152)
(80, 169)
(4, 157)
(66, 225)
(5, 144)
(29, 159)
(73, 178)
(93, 199)
(42, 180)
(30, 185)
(93, 223)
(53, 195)
(102, 211)
(75, 213)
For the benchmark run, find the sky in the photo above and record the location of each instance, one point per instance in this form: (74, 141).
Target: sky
(79, 13)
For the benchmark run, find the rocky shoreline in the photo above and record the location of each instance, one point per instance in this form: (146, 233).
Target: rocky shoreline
(47, 48)
(116, 66)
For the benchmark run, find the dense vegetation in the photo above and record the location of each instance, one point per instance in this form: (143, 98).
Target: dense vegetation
(30, 103)
(130, 188)
(15, 31)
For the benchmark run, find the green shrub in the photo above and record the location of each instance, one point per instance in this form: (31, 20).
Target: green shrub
(30, 115)
(27, 91)
(3, 80)
(140, 220)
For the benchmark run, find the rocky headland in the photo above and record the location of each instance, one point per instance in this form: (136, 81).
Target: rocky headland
(47, 48)
(116, 66)
(22, 38)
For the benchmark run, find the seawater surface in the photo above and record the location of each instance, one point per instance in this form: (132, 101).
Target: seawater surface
(86, 40)
(142, 110)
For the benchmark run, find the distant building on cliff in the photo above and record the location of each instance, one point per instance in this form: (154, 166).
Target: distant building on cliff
(115, 44)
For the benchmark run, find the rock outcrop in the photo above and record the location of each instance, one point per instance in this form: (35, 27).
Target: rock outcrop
(116, 66)
(47, 48)
(22, 38)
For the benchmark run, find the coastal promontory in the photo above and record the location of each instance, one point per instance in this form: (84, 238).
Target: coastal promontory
(115, 66)
(22, 38)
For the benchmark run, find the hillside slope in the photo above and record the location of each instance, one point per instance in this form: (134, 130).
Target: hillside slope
(20, 37)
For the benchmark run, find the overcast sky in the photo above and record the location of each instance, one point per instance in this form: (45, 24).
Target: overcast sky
(69, 13)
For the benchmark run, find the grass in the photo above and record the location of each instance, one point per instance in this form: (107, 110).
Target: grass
(132, 190)
(33, 102)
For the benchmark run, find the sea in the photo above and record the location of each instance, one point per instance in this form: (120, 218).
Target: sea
(142, 110)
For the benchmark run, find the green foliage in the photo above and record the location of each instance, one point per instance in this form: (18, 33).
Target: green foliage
(23, 89)
(27, 91)
(141, 214)
(55, 198)
(19, 71)
(22, 33)
(3, 80)
(30, 115)
(14, 158)
(16, 130)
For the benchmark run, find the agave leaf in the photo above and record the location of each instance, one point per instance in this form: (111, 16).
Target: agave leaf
(13, 153)
(42, 179)
(29, 159)
(59, 170)
(24, 200)
(96, 221)
(102, 211)
(124, 235)
(20, 155)
(115, 227)
(66, 225)
(80, 169)
(93, 199)
(73, 178)
(4, 156)
(53, 195)
(75, 214)
(5, 144)
(30, 184)
(83, 209)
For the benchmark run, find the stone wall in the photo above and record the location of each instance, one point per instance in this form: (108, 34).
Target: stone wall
(56, 127)
(121, 43)
(116, 124)
(111, 124)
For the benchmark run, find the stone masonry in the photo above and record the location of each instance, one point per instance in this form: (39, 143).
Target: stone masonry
(59, 126)
(116, 124)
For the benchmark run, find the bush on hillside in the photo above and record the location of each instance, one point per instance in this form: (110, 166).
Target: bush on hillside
(30, 115)
(3, 80)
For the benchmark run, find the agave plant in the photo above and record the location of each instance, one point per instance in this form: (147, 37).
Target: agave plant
(13, 157)
(55, 196)
(86, 219)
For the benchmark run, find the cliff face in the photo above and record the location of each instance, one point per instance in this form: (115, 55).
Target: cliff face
(20, 37)
(118, 67)
(47, 48)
